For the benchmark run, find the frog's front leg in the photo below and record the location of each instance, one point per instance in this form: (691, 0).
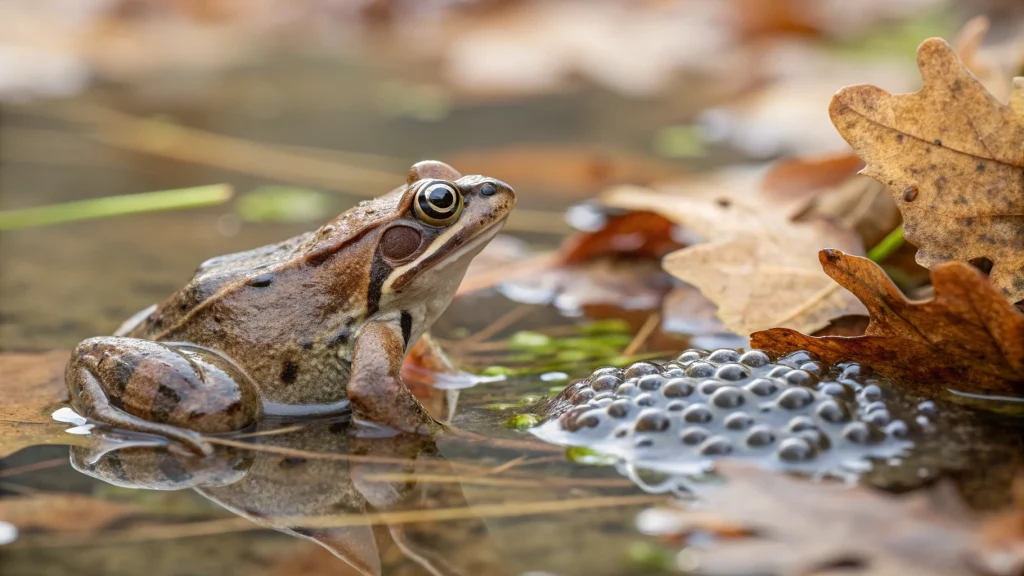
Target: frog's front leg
(375, 386)
(177, 391)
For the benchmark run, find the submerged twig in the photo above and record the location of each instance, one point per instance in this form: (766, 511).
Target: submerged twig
(504, 321)
(297, 453)
(215, 527)
(650, 325)
(524, 461)
(480, 480)
(33, 467)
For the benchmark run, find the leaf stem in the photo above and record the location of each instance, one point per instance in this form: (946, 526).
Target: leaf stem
(195, 197)
(887, 246)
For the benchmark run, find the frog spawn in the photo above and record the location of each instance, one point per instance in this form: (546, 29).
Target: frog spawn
(797, 414)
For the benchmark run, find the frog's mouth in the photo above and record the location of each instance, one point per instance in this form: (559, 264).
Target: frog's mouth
(454, 249)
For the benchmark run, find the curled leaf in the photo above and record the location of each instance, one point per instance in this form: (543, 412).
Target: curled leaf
(951, 156)
(967, 335)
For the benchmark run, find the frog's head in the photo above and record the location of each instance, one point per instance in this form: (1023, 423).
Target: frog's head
(412, 246)
(425, 253)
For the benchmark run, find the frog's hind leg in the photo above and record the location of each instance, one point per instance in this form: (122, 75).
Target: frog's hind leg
(177, 391)
(91, 401)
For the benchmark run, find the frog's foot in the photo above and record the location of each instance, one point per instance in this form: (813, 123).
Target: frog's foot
(375, 387)
(178, 391)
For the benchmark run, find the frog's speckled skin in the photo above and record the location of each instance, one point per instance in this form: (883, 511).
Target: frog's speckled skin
(796, 414)
(309, 326)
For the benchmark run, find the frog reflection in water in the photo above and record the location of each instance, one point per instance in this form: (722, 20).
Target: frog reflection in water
(279, 491)
(313, 325)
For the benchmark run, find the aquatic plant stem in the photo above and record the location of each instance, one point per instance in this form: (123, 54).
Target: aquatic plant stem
(887, 246)
(196, 197)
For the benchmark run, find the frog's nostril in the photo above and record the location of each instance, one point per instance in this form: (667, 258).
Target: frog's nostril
(488, 189)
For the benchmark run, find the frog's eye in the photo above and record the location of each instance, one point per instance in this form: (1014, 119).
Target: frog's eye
(438, 203)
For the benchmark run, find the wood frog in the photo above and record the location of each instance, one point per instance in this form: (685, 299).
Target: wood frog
(314, 325)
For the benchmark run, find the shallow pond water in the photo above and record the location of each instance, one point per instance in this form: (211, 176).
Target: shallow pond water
(490, 500)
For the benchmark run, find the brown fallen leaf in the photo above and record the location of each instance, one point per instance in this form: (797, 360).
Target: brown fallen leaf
(999, 547)
(797, 180)
(830, 18)
(50, 512)
(31, 388)
(638, 234)
(968, 337)
(804, 528)
(951, 156)
(32, 385)
(758, 267)
(827, 187)
(630, 285)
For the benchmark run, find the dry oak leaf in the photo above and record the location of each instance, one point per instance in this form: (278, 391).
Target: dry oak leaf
(967, 336)
(756, 265)
(828, 187)
(952, 157)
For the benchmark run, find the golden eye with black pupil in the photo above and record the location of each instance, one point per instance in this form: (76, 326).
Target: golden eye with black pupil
(438, 203)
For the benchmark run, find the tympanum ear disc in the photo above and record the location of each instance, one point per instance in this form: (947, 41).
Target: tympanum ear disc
(400, 242)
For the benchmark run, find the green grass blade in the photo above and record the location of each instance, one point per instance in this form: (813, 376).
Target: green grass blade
(887, 246)
(179, 199)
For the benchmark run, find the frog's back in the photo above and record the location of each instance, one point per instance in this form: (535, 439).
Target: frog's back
(220, 277)
(216, 277)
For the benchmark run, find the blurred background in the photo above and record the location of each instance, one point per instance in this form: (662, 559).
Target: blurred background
(304, 107)
(266, 118)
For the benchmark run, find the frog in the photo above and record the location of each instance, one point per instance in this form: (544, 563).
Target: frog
(313, 326)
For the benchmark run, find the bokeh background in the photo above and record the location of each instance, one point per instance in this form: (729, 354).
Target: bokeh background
(305, 107)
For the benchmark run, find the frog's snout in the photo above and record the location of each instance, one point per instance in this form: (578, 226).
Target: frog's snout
(499, 196)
